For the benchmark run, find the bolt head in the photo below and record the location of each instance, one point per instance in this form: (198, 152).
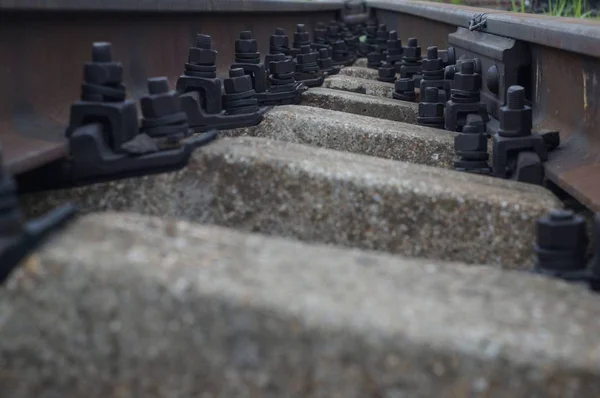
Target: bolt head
(431, 109)
(160, 105)
(246, 46)
(158, 85)
(515, 122)
(470, 142)
(412, 52)
(237, 84)
(281, 67)
(279, 41)
(562, 233)
(202, 56)
(467, 82)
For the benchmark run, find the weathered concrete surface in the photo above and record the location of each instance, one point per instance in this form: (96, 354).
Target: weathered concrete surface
(320, 195)
(126, 306)
(362, 104)
(358, 85)
(361, 72)
(351, 133)
(361, 63)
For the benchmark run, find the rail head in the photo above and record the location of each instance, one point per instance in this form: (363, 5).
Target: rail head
(569, 34)
(172, 5)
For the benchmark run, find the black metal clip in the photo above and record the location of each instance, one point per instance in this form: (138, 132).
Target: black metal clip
(18, 239)
(478, 22)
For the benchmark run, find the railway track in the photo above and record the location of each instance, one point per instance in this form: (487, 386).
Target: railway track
(313, 233)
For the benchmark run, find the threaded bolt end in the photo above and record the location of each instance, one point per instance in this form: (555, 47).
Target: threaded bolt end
(516, 97)
(203, 41)
(158, 85)
(467, 67)
(393, 35)
(236, 72)
(432, 52)
(245, 35)
(300, 28)
(561, 214)
(323, 53)
(413, 42)
(102, 52)
(279, 32)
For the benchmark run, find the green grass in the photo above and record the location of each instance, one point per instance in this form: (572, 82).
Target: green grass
(558, 8)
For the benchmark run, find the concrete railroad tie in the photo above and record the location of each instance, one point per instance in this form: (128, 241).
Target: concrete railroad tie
(352, 133)
(124, 305)
(321, 195)
(362, 104)
(361, 86)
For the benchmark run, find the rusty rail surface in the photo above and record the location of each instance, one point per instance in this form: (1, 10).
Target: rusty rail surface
(565, 59)
(44, 43)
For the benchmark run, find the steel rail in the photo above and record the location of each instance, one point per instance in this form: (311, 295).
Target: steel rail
(564, 76)
(46, 42)
(163, 6)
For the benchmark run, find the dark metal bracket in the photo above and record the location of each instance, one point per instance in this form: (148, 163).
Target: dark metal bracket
(504, 62)
(17, 238)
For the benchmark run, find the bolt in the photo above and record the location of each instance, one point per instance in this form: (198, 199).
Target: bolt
(467, 68)
(432, 52)
(383, 27)
(236, 72)
(323, 53)
(300, 28)
(203, 41)
(516, 97)
(280, 32)
(102, 52)
(405, 84)
(393, 35)
(158, 85)
(245, 35)
(561, 215)
(413, 42)
(305, 50)
(431, 94)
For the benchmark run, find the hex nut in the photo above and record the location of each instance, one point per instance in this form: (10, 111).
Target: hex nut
(470, 142)
(202, 56)
(246, 46)
(467, 82)
(431, 109)
(566, 234)
(307, 58)
(432, 64)
(160, 105)
(412, 52)
(516, 121)
(238, 84)
(278, 41)
(103, 73)
(281, 67)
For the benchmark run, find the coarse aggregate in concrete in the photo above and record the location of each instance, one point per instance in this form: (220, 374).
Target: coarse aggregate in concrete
(358, 85)
(361, 72)
(362, 104)
(127, 306)
(326, 196)
(352, 133)
(361, 63)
